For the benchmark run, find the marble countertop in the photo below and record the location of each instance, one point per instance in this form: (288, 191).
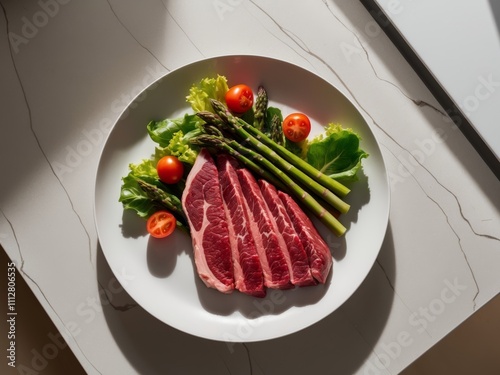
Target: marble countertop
(68, 69)
(466, 70)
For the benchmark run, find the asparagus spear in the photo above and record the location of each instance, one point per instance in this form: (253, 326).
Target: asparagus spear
(277, 131)
(158, 195)
(223, 144)
(280, 162)
(247, 131)
(238, 151)
(261, 101)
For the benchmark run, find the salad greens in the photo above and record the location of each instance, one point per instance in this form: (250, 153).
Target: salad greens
(208, 88)
(162, 131)
(135, 198)
(173, 137)
(336, 153)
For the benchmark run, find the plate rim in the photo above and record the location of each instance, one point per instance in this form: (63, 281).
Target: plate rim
(359, 110)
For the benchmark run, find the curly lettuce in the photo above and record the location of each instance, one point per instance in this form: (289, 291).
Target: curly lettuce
(172, 137)
(208, 88)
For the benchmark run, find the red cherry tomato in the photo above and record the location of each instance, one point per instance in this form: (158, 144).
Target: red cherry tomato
(170, 169)
(161, 224)
(296, 127)
(239, 98)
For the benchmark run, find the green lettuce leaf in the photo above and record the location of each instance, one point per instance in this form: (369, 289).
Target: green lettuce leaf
(180, 147)
(270, 113)
(208, 88)
(133, 197)
(336, 153)
(163, 131)
(146, 168)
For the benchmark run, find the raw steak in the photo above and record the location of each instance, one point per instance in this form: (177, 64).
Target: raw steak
(320, 258)
(248, 274)
(202, 203)
(271, 246)
(300, 273)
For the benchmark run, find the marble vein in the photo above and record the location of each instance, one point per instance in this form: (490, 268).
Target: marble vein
(133, 36)
(322, 61)
(35, 136)
(367, 344)
(21, 269)
(249, 358)
(21, 266)
(391, 285)
(389, 281)
(226, 366)
(181, 28)
(420, 103)
(122, 308)
(281, 28)
(14, 235)
(259, 367)
(459, 244)
(417, 102)
(17, 243)
(452, 229)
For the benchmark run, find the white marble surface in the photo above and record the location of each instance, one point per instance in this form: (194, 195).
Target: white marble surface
(465, 61)
(68, 68)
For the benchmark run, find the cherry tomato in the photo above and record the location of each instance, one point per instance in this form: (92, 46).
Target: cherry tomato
(161, 224)
(239, 98)
(170, 169)
(296, 127)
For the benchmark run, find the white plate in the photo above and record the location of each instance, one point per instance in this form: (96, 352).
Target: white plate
(160, 274)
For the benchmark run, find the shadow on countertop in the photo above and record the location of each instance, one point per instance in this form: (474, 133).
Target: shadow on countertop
(342, 341)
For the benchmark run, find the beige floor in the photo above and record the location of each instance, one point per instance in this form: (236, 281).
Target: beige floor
(473, 348)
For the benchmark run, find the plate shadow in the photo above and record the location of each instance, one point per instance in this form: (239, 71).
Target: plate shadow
(346, 337)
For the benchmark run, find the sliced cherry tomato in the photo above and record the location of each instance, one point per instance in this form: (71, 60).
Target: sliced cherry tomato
(170, 169)
(296, 127)
(161, 224)
(239, 98)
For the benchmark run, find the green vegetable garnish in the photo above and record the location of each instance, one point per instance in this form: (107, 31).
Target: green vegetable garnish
(209, 88)
(314, 171)
(163, 131)
(336, 153)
